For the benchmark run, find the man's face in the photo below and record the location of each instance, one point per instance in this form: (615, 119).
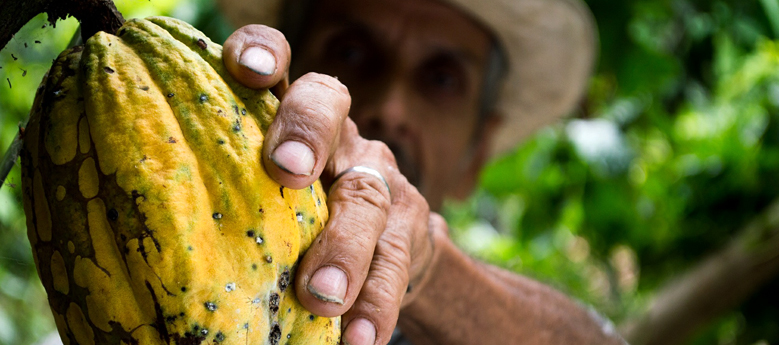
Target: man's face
(414, 69)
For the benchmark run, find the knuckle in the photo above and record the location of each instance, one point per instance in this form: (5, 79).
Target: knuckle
(386, 288)
(411, 199)
(392, 253)
(252, 32)
(381, 150)
(310, 121)
(361, 191)
(329, 83)
(437, 221)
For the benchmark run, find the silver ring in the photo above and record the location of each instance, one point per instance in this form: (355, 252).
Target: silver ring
(367, 170)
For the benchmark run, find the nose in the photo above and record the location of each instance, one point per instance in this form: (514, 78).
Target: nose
(387, 115)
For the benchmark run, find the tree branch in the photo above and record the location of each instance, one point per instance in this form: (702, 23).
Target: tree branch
(712, 287)
(94, 15)
(16, 13)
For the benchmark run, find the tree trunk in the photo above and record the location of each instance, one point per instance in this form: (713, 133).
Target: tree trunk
(713, 286)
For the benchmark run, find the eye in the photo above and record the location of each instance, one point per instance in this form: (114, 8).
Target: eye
(348, 50)
(442, 77)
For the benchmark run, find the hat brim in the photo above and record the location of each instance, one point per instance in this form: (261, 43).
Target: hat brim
(550, 47)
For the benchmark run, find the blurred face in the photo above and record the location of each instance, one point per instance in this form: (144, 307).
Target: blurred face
(414, 69)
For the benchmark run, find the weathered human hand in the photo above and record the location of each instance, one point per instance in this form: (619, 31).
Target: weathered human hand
(377, 242)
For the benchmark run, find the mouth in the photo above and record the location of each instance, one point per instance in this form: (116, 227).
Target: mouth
(406, 163)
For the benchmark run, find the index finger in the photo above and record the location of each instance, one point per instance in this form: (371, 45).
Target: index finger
(257, 56)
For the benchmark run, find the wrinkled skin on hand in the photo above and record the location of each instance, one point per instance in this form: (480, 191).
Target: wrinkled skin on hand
(377, 244)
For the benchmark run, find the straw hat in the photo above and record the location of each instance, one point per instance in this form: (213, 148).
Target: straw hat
(550, 47)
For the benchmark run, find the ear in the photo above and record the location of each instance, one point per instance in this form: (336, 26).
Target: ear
(482, 146)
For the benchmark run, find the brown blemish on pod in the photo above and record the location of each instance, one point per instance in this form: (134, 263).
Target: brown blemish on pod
(275, 334)
(284, 280)
(273, 303)
(88, 182)
(59, 273)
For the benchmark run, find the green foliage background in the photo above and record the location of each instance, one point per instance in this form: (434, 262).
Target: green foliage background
(675, 148)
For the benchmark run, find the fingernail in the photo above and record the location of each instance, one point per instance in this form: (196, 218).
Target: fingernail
(360, 332)
(329, 285)
(294, 157)
(258, 60)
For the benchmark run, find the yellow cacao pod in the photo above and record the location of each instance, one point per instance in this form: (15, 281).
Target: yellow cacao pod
(151, 218)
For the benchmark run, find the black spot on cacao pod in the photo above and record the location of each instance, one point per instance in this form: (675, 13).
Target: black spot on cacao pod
(108, 70)
(273, 302)
(311, 317)
(311, 221)
(220, 337)
(220, 141)
(144, 88)
(268, 259)
(204, 331)
(217, 215)
(203, 98)
(183, 289)
(284, 280)
(254, 267)
(250, 233)
(281, 190)
(243, 111)
(210, 306)
(202, 43)
(113, 215)
(289, 336)
(170, 95)
(235, 109)
(275, 334)
(170, 319)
